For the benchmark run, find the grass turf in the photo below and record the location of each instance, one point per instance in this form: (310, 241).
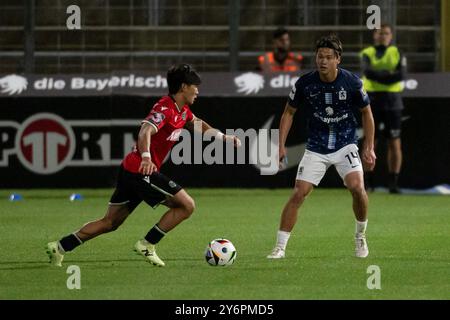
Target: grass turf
(408, 239)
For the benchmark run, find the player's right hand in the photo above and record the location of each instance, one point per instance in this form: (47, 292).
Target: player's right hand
(282, 157)
(369, 158)
(147, 167)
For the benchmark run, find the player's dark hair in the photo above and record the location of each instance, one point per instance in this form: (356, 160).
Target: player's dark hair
(183, 73)
(279, 32)
(330, 41)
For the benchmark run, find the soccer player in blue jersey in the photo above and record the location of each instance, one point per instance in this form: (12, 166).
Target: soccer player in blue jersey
(332, 97)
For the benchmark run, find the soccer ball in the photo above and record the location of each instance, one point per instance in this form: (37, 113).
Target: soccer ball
(220, 252)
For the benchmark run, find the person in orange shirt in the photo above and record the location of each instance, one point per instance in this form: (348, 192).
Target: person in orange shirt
(281, 59)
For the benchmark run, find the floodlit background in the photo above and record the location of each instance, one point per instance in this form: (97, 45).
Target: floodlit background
(408, 234)
(216, 35)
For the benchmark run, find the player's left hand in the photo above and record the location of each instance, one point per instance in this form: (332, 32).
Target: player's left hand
(147, 167)
(369, 158)
(232, 139)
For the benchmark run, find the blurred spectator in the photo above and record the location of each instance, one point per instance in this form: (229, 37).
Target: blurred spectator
(384, 68)
(281, 59)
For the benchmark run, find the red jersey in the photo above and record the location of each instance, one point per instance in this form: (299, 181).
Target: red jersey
(168, 121)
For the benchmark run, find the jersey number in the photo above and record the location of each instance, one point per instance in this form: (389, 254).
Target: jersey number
(353, 155)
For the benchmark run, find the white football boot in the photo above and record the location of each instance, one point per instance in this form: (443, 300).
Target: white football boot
(147, 250)
(277, 253)
(361, 248)
(56, 257)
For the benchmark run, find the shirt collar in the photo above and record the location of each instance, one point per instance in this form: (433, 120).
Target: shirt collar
(175, 103)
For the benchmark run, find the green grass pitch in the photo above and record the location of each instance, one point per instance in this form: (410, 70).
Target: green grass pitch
(408, 237)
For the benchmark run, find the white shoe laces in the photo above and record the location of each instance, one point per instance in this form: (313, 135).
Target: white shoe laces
(277, 251)
(361, 242)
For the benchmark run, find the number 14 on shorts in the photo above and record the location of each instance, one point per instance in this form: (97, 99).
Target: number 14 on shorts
(353, 159)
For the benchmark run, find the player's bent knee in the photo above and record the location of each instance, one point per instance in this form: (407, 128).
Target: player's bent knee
(188, 206)
(298, 197)
(110, 225)
(356, 188)
(107, 225)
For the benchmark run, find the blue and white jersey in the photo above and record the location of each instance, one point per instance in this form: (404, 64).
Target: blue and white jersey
(331, 108)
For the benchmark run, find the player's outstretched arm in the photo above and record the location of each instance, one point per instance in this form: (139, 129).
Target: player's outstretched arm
(205, 128)
(285, 126)
(368, 153)
(147, 167)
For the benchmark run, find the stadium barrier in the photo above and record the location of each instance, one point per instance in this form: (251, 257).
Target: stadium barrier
(73, 130)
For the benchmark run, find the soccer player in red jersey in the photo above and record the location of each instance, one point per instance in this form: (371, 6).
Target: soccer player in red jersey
(139, 176)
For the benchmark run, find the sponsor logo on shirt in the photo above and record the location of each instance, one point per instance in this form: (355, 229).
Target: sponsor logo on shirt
(175, 135)
(331, 120)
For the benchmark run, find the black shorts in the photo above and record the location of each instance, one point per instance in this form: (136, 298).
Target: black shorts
(387, 113)
(133, 188)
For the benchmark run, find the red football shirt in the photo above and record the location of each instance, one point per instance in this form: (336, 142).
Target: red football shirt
(168, 120)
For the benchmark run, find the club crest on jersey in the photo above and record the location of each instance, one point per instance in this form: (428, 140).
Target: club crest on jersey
(342, 94)
(183, 116)
(157, 117)
(329, 111)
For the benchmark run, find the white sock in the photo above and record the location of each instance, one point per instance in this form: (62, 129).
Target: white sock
(282, 239)
(361, 227)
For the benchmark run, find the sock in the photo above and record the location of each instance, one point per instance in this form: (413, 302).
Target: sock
(393, 179)
(361, 227)
(155, 234)
(68, 243)
(282, 239)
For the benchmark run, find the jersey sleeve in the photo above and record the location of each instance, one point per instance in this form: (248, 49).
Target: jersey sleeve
(296, 96)
(189, 115)
(158, 116)
(360, 97)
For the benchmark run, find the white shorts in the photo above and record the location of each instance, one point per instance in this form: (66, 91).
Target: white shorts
(313, 165)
